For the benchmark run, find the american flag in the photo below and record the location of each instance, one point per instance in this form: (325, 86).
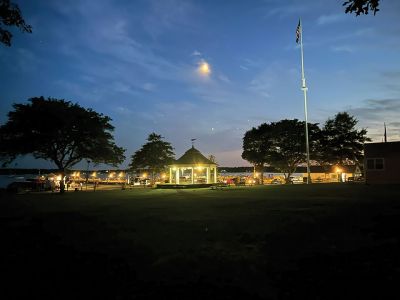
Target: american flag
(298, 32)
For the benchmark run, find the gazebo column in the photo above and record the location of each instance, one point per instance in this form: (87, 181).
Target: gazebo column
(215, 174)
(192, 175)
(208, 175)
(177, 176)
(170, 175)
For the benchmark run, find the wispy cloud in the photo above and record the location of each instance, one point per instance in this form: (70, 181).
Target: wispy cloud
(287, 10)
(333, 18)
(196, 53)
(374, 112)
(343, 48)
(167, 15)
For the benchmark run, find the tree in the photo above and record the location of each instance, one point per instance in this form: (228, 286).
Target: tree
(341, 143)
(155, 155)
(279, 144)
(361, 6)
(59, 131)
(10, 15)
(255, 147)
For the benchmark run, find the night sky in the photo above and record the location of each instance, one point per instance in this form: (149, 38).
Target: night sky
(144, 64)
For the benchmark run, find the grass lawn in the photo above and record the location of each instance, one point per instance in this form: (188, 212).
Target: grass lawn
(322, 241)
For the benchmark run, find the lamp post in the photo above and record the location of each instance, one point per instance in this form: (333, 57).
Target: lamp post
(338, 170)
(87, 173)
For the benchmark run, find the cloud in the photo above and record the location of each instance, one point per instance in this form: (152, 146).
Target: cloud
(196, 53)
(329, 19)
(343, 48)
(168, 15)
(266, 81)
(287, 10)
(149, 86)
(224, 78)
(374, 112)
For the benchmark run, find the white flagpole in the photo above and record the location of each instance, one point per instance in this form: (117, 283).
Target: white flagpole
(304, 88)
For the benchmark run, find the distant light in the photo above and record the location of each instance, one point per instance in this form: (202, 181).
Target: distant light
(144, 175)
(121, 174)
(338, 170)
(204, 68)
(94, 174)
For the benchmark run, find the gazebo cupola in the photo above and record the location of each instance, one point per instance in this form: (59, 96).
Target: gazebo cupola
(193, 168)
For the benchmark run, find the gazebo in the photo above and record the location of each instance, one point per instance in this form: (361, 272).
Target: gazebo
(193, 168)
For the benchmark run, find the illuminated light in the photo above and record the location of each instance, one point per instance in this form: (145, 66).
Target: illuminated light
(204, 68)
(111, 175)
(94, 174)
(121, 174)
(338, 170)
(144, 175)
(163, 176)
(58, 177)
(174, 168)
(257, 174)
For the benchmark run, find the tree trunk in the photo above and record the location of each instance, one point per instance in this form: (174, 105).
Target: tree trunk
(62, 185)
(260, 169)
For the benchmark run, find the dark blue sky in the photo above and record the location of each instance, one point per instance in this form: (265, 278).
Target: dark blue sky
(138, 62)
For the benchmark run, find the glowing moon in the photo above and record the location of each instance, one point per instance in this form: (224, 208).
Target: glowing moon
(204, 68)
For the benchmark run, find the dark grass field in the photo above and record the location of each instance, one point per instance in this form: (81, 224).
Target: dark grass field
(326, 241)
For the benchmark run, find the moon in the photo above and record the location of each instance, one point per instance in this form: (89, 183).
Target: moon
(204, 68)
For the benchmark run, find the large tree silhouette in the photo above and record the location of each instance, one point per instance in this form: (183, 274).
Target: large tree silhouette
(155, 155)
(279, 144)
(10, 15)
(59, 131)
(341, 142)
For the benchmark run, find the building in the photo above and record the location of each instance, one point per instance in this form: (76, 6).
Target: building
(331, 173)
(193, 168)
(382, 163)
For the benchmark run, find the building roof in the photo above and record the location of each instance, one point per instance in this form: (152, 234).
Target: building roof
(382, 149)
(193, 157)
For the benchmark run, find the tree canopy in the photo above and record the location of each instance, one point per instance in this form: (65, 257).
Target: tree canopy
(340, 142)
(10, 15)
(279, 144)
(155, 155)
(361, 6)
(59, 131)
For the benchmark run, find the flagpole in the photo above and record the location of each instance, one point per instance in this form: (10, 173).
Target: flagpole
(304, 88)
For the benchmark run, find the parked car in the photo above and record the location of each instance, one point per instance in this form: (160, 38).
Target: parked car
(296, 180)
(276, 181)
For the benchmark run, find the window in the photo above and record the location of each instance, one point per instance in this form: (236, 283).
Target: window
(375, 163)
(370, 164)
(379, 163)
